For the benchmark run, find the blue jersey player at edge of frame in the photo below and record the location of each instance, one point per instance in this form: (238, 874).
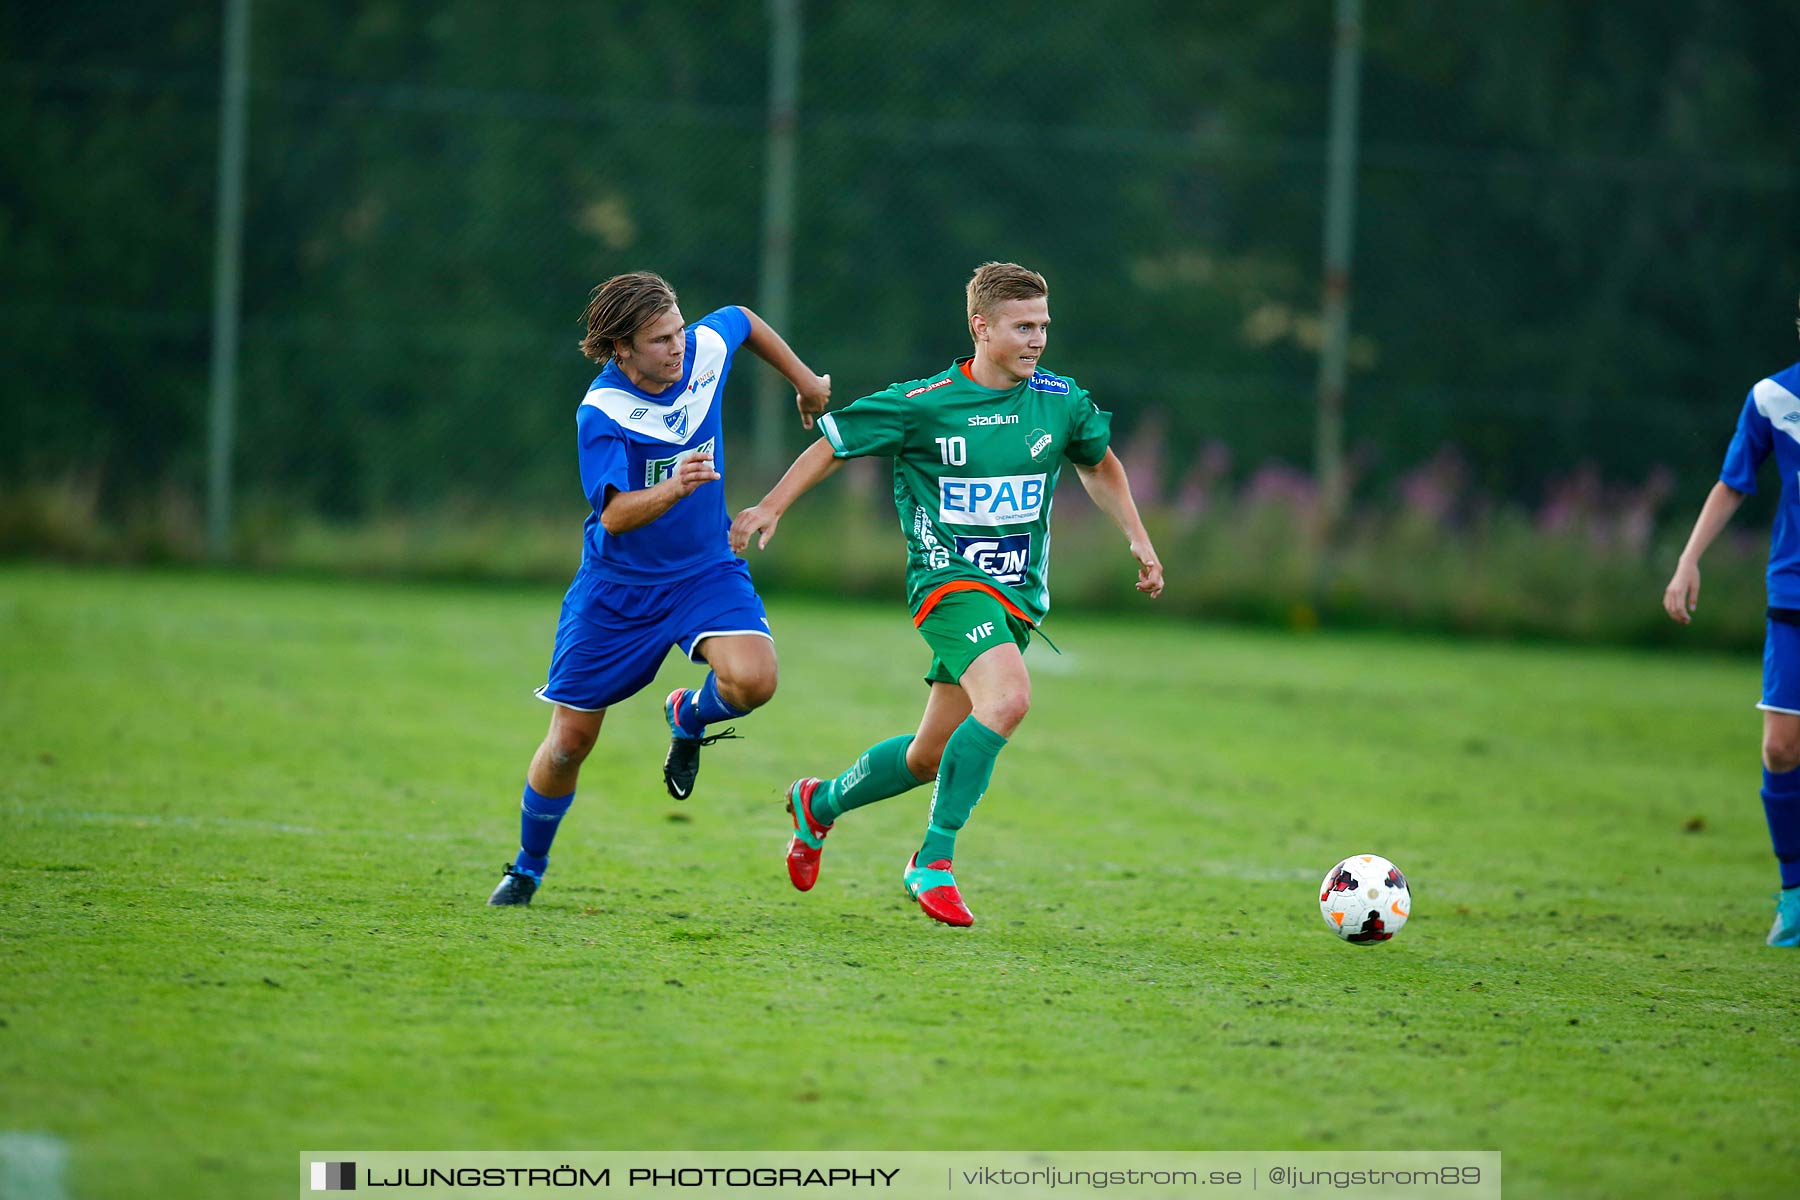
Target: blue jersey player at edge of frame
(657, 567)
(1769, 424)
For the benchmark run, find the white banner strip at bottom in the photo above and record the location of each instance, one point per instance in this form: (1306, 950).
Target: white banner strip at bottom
(901, 1175)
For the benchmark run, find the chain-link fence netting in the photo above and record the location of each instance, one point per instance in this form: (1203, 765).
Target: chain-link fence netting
(1575, 240)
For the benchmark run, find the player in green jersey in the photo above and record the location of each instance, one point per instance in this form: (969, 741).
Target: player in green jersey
(977, 450)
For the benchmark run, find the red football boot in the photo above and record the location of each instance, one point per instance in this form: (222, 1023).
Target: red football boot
(808, 841)
(935, 890)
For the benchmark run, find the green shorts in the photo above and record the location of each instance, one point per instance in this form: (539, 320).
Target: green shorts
(962, 627)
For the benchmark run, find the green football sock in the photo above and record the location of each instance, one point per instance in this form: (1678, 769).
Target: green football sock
(880, 772)
(963, 776)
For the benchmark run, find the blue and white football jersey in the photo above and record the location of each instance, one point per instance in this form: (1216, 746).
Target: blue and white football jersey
(632, 440)
(1771, 421)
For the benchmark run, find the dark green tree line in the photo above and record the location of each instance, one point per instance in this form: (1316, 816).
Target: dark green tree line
(1578, 236)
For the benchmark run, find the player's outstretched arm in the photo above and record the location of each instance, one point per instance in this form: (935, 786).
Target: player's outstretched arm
(1682, 596)
(625, 511)
(812, 393)
(759, 520)
(1106, 482)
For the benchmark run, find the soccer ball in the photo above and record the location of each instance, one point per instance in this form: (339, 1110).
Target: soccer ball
(1365, 900)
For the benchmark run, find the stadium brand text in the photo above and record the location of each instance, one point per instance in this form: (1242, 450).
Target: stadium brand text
(991, 500)
(995, 419)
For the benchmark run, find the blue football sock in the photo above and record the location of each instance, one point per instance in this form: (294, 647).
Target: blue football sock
(538, 818)
(704, 706)
(1781, 804)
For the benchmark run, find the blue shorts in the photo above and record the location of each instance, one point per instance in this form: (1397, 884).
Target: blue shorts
(612, 637)
(1781, 668)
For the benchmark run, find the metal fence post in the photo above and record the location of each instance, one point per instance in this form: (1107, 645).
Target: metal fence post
(227, 270)
(778, 223)
(1340, 222)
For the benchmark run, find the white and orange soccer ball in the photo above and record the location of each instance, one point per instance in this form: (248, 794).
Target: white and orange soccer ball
(1365, 899)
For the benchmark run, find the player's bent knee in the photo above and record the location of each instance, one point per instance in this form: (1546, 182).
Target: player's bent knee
(748, 691)
(563, 757)
(1005, 714)
(1780, 757)
(570, 747)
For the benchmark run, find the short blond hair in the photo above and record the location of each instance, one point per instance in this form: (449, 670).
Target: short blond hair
(994, 283)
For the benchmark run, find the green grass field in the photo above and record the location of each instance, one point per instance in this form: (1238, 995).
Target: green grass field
(250, 824)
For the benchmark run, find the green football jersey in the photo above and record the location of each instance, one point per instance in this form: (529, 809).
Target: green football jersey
(975, 471)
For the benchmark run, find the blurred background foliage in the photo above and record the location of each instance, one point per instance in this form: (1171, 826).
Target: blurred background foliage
(1577, 245)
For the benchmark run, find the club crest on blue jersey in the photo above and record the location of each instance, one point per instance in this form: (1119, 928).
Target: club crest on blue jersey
(1004, 558)
(677, 421)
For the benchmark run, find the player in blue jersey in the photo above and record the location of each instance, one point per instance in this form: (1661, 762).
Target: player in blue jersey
(657, 567)
(1769, 424)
